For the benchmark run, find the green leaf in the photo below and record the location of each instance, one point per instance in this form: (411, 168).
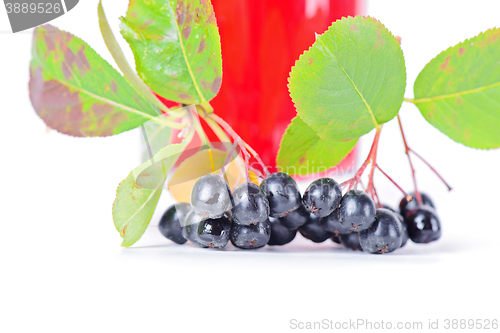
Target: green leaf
(137, 196)
(78, 93)
(350, 81)
(458, 92)
(177, 49)
(303, 152)
(117, 53)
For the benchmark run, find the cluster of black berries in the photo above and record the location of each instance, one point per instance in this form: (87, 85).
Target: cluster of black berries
(272, 213)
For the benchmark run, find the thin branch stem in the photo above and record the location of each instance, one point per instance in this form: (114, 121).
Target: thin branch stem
(407, 150)
(228, 159)
(235, 136)
(372, 157)
(392, 181)
(430, 167)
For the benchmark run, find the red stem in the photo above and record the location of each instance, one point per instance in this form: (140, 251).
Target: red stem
(228, 159)
(372, 158)
(392, 181)
(430, 167)
(407, 150)
(241, 143)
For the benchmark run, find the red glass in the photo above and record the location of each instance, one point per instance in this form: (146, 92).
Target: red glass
(261, 40)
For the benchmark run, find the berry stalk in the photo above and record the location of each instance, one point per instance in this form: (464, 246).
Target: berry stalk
(407, 152)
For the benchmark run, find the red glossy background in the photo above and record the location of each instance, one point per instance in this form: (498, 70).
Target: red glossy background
(261, 40)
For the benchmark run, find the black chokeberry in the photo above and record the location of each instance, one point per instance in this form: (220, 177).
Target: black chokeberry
(406, 205)
(356, 211)
(282, 194)
(423, 225)
(173, 220)
(214, 233)
(190, 230)
(322, 197)
(296, 218)
(336, 239)
(351, 241)
(384, 235)
(280, 234)
(332, 224)
(313, 230)
(250, 204)
(251, 236)
(211, 196)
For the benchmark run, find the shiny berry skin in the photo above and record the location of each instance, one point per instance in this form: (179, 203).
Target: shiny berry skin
(322, 197)
(211, 196)
(280, 234)
(404, 230)
(295, 219)
(214, 233)
(250, 204)
(384, 235)
(332, 224)
(190, 231)
(313, 230)
(351, 241)
(356, 211)
(282, 194)
(405, 206)
(423, 225)
(251, 236)
(336, 239)
(172, 221)
(389, 208)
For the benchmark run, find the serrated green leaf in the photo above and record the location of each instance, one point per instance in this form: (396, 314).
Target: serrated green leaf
(177, 49)
(303, 152)
(458, 92)
(78, 93)
(350, 81)
(134, 205)
(117, 53)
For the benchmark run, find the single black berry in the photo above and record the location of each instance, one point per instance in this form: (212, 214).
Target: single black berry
(313, 230)
(406, 205)
(322, 197)
(214, 233)
(351, 241)
(282, 194)
(173, 220)
(251, 236)
(356, 211)
(423, 225)
(250, 204)
(211, 196)
(384, 235)
(389, 208)
(332, 224)
(280, 234)
(190, 230)
(296, 218)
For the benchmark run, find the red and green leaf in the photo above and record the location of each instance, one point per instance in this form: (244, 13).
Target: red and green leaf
(76, 92)
(138, 194)
(177, 49)
(458, 92)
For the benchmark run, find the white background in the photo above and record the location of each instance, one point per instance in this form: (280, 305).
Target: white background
(62, 268)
